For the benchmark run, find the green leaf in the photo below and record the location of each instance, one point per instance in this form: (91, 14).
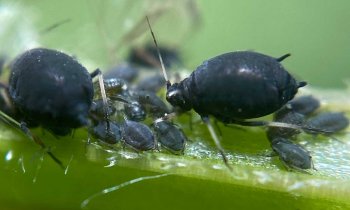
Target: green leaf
(198, 179)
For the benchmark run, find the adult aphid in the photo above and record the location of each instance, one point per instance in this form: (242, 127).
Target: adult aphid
(234, 87)
(50, 89)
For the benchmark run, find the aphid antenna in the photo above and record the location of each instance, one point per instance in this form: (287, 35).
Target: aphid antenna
(282, 125)
(24, 129)
(287, 125)
(54, 26)
(3, 90)
(159, 55)
(104, 97)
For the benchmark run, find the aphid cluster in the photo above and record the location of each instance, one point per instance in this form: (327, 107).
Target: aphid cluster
(301, 111)
(128, 107)
(51, 89)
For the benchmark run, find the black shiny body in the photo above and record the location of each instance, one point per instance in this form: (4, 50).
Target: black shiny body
(304, 105)
(135, 111)
(154, 105)
(110, 136)
(97, 110)
(331, 122)
(50, 89)
(292, 155)
(137, 135)
(236, 86)
(170, 136)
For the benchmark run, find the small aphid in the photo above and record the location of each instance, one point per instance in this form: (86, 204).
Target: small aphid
(110, 136)
(170, 136)
(331, 122)
(97, 110)
(134, 111)
(152, 83)
(137, 135)
(115, 86)
(123, 71)
(151, 102)
(305, 105)
(292, 155)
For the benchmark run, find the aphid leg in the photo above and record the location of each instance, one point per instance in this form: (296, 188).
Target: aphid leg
(216, 123)
(38, 141)
(22, 126)
(5, 96)
(212, 132)
(120, 98)
(281, 125)
(283, 57)
(98, 73)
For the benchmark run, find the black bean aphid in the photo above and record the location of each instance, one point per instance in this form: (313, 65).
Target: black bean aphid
(151, 102)
(170, 136)
(137, 135)
(115, 86)
(331, 122)
(152, 83)
(97, 110)
(110, 136)
(134, 111)
(122, 71)
(292, 155)
(50, 89)
(303, 105)
(233, 87)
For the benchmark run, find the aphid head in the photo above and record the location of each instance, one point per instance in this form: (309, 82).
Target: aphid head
(175, 96)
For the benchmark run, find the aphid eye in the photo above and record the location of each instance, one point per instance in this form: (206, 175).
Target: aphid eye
(175, 96)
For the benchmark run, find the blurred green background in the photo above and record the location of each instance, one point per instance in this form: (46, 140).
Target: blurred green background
(315, 32)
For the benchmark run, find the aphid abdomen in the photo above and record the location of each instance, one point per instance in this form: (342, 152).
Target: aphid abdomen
(51, 89)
